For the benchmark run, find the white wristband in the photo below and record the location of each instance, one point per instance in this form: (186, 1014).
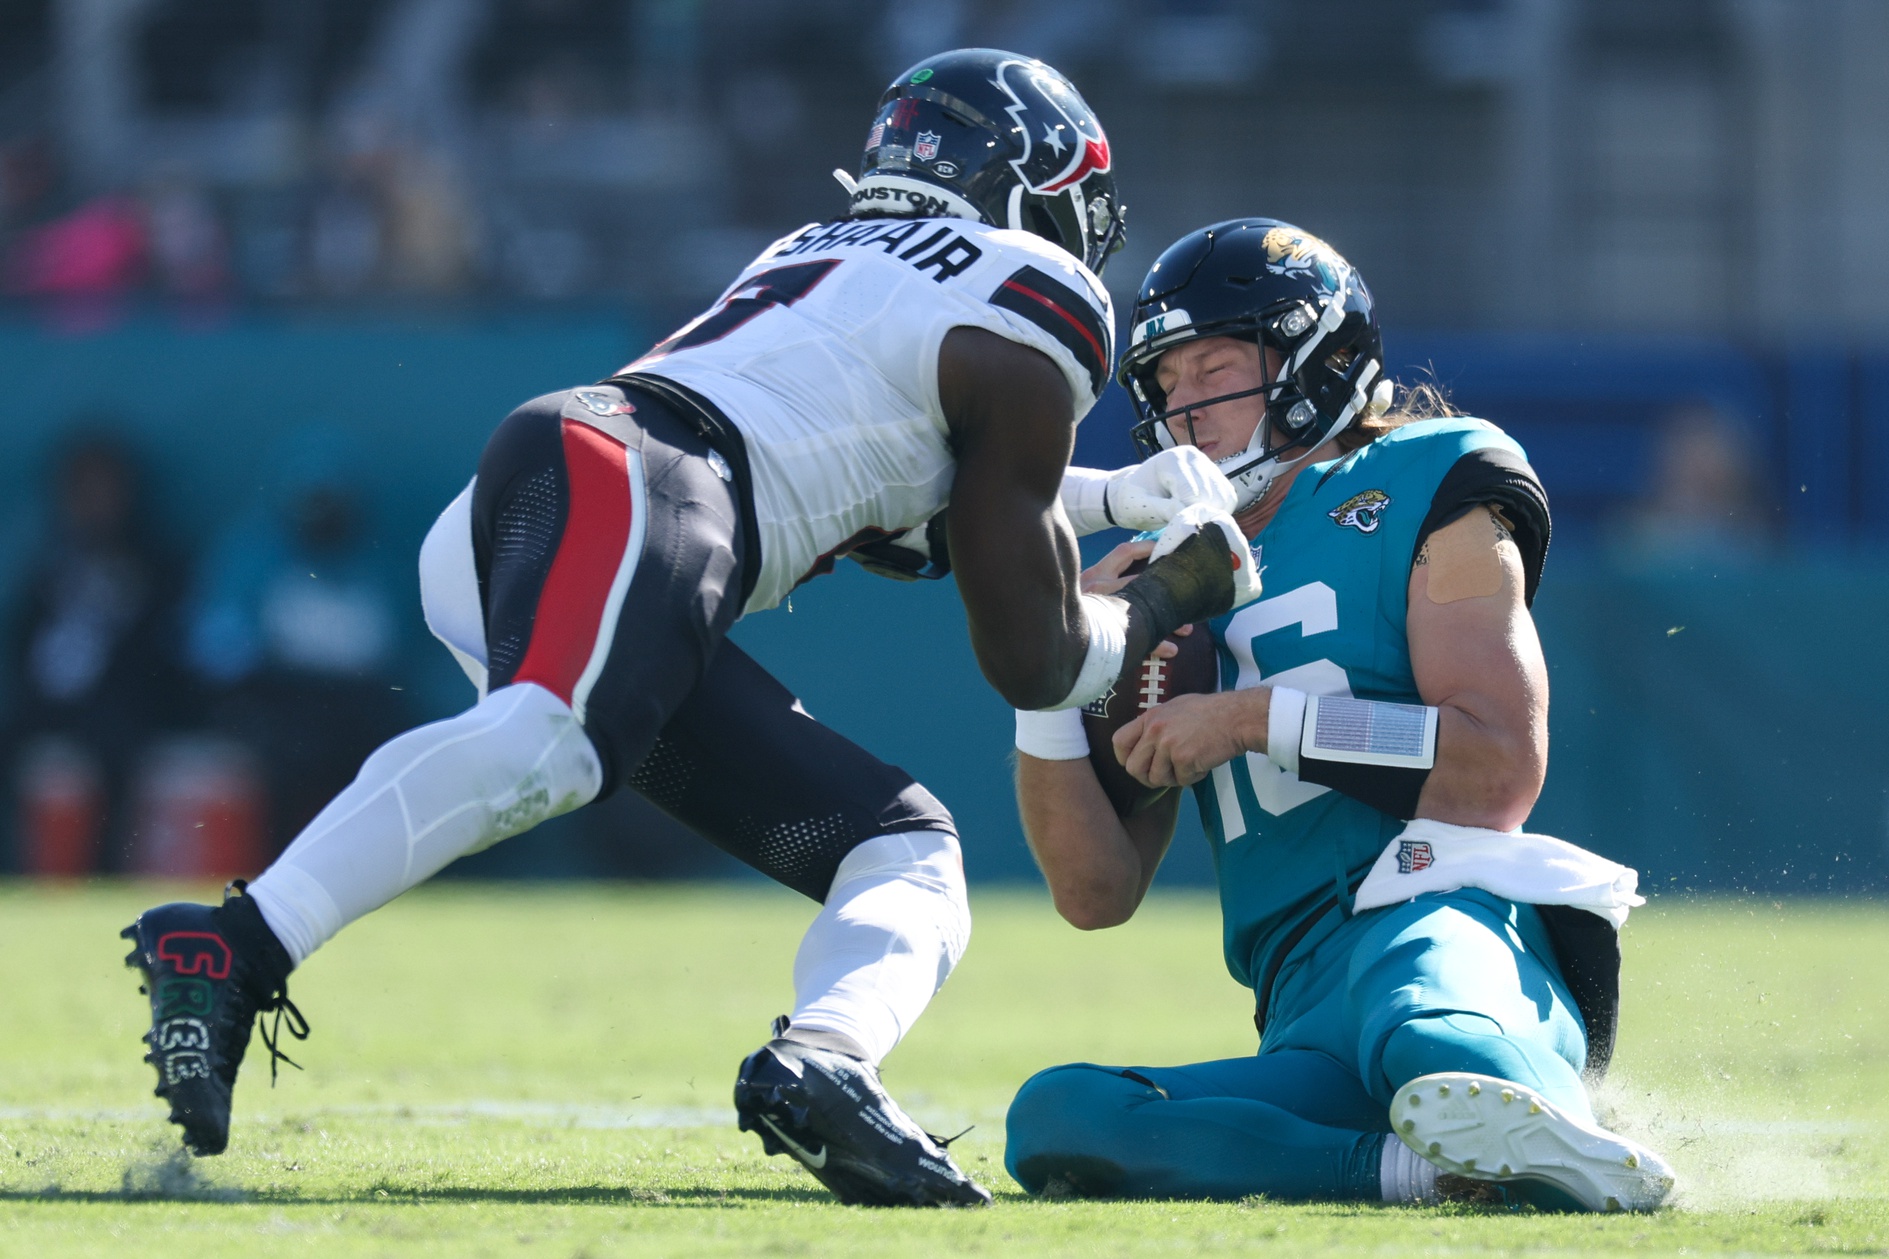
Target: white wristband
(1052, 736)
(1107, 623)
(1085, 500)
(1285, 724)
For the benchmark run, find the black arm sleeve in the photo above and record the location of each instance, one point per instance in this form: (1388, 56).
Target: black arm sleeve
(1390, 789)
(1503, 480)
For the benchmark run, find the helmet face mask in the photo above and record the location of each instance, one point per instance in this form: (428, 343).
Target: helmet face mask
(1003, 139)
(1270, 284)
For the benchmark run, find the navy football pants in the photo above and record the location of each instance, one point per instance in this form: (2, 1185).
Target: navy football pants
(609, 554)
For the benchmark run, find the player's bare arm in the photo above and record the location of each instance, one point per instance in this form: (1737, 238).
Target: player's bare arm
(1012, 428)
(1477, 659)
(1097, 864)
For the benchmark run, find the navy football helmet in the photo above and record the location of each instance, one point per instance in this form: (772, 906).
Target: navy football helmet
(1271, 283)
(994, 137)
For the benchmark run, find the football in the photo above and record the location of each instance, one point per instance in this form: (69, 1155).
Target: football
(1195, 670)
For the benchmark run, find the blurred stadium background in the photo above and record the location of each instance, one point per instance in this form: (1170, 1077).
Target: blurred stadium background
(273, 268)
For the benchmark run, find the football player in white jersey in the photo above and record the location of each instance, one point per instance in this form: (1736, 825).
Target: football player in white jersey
(936, 344)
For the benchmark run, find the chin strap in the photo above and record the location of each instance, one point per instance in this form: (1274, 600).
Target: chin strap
(846, 181)
(1367, 399)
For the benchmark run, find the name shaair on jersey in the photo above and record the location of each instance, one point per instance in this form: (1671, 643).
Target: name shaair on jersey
(824, 351)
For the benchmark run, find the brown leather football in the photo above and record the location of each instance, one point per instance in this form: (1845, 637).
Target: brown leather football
(1194, 671)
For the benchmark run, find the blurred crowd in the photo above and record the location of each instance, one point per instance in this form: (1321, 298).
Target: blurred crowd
(216, 151)
(176, 714)
(1512, 163)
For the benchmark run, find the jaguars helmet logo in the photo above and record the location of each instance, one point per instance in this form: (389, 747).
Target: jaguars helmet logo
(1291, 252)
(1361, 511)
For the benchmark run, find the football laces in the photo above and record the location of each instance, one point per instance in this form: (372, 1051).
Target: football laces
(1154, 682)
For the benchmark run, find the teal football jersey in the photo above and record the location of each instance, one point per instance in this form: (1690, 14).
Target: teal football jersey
(1336, 566)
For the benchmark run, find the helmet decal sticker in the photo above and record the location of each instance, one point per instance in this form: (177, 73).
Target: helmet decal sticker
(1049, 115)
(1291, 252)
(925, 148)
(1165, 322)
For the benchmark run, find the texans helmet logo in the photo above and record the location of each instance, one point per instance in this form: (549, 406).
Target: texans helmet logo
(1063, 144)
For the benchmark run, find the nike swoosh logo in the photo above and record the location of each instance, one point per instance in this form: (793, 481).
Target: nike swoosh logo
(799, 1151)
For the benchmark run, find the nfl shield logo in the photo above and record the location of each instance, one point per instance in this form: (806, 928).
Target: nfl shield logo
(926, 146)
(1413, 855)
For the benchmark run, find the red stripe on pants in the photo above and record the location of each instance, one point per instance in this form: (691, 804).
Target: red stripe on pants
(596, 532)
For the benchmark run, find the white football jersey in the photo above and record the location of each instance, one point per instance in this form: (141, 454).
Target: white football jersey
(824, 353)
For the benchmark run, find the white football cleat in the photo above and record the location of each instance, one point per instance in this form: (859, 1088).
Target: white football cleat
(1488, 1128)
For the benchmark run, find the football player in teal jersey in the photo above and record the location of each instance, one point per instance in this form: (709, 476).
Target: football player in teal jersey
(1431, 982)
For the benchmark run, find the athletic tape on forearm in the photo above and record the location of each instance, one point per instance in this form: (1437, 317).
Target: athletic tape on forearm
(1107, 622)
(1085, 499)
(1375, 752)
(1052, 736)
(1194, 582)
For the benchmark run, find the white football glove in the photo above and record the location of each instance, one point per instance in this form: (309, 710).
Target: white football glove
(1146, 495)
(1192, 520)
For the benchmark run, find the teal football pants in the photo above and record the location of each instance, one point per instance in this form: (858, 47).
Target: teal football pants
(1456, 981)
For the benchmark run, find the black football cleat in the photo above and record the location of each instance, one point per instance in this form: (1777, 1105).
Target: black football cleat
(208, 970)
(828, 1110)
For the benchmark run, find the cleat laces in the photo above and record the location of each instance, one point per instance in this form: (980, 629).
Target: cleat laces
(271, 1031)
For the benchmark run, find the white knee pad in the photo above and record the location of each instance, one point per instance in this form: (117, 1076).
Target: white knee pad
(423, 800)
(895, 924)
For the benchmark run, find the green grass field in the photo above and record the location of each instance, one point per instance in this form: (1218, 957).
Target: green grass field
(545, 1071)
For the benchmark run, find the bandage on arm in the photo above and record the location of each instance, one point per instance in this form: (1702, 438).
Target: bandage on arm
(1500, 479)
(1466, 558)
